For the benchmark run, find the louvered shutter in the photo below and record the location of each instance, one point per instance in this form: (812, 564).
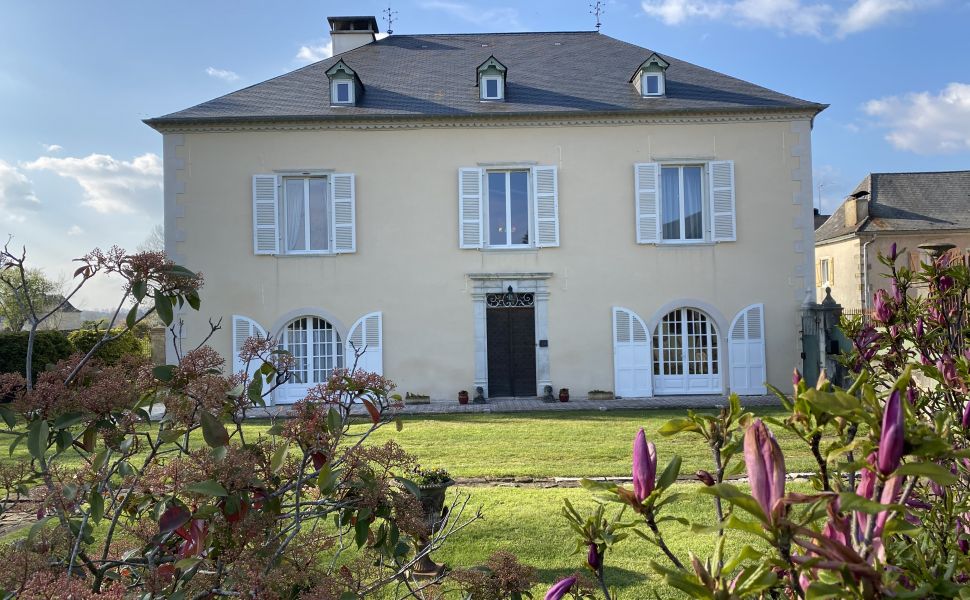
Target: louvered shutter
(747, 356)
(832, 271)
(723, 220)
(343, 196)
(266, 214)
(546, 190)
(367, 335)
(242, 329)
(818, 273)
(631, 355)
(470, 208)
(647, 187)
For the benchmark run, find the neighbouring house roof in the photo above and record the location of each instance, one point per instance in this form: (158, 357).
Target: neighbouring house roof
(820, 218)
(55, 299)
(434, 75)
(907, 202)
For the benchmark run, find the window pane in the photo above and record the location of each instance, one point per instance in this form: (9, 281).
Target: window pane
(497, 226)
(343, 92)
(653, 84)
(693, 212)
(319, 217)
(491, 88)
(519, 182)
(295, 218)
(670, 209)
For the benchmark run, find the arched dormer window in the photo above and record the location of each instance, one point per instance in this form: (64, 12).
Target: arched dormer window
(491, 80)
(650, 78)
(345, 85)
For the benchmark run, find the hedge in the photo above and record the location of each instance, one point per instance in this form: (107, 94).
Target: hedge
(85, 339)
(49, 347)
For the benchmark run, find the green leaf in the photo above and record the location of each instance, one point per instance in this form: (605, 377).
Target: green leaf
(409, 486)
(164, 373)
(736, 497)
(170, 435)
(36, 528)
(822, 591)
(37, 438)
(361, 529)
(276, 463)
(207, 488)
(99, 459)
(213, 431)
(139, 288)
(675, 426)
(132, 316)
(96, 500)
(187, 563)
(8, 416)
(849, 501)
(929, 470)
(669, 476)
(68, 420)
(193, 298)
(163, 304)
(255, 391)
(335, 422)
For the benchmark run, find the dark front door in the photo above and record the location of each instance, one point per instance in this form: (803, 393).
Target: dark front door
(511, 351)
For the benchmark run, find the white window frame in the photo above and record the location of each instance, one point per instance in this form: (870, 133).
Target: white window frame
(660, 84)
(284, 248)
(705, 204)
(336, 347)
(335, 97)
(486, 225)
(498, 87)
(825, 271)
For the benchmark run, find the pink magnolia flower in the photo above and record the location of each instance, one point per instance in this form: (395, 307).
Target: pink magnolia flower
(593, 558)
(884, 308)
(765, 465)
(560, 589)
(644, 466)
(892, 438)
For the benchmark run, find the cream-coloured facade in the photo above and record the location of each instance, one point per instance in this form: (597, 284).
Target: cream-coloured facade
(425, 305)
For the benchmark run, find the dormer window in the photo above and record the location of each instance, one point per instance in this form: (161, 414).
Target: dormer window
(650, 77)
(491, 80)
(345, 86)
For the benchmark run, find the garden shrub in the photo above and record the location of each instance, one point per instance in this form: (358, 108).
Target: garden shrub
(49, 348)
(126, 344)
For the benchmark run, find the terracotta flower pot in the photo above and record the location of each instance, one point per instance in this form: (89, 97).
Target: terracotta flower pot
(463, 397)
(564, 395)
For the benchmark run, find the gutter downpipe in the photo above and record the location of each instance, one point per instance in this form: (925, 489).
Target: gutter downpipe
(865, 274)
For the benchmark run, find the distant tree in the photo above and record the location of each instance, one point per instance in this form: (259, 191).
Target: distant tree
(155, 242)
(18, 295)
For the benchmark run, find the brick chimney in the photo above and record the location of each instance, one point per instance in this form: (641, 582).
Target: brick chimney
(856, 208)
(348, 33)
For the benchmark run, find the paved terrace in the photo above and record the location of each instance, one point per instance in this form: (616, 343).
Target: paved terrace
(508, 405)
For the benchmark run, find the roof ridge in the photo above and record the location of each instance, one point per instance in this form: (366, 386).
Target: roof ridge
(579, 32)
(921, 172)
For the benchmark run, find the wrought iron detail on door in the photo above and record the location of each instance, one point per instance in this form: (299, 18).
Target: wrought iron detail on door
(510, 299)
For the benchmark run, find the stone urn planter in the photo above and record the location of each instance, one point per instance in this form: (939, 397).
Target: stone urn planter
(432, 497)
(599, 395)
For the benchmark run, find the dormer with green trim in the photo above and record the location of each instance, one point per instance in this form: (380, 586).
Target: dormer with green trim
(345, 86)
(651, 77)
(491, 80)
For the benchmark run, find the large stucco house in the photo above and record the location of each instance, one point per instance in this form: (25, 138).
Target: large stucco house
(908, 209)
(505, 211)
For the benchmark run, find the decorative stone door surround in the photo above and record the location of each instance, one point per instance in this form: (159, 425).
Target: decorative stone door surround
(522, 283)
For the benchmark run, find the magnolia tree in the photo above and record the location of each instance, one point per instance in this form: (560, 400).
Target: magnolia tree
(149, 485)
(886, 511)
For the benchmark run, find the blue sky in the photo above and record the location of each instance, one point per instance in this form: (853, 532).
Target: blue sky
(78, 169)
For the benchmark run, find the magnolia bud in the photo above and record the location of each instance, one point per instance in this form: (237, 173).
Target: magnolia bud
(705, 477)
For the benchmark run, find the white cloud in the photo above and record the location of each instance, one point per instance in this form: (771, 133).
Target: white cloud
(925, 123)
(75, 230)
(16, 193)
(221, 74)
(52, 148)
(313, 53)
(801, 17)
(495, 19)
(110, 185)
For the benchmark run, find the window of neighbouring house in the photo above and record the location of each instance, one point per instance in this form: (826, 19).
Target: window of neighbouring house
(306, 210)
(316, 349)
(507, 213)
(682, 203)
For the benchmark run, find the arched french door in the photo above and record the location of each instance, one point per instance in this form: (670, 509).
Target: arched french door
(316, 349)
(686, 354)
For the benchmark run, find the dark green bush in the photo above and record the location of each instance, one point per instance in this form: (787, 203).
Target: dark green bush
(128, 344)
(49, 347)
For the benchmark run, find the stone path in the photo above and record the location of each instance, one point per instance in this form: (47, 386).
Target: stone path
(510, 405)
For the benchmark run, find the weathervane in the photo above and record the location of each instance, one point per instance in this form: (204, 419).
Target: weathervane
(598, 10)
(389, 17)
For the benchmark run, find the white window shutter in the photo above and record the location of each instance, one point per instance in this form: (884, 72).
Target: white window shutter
(647, 186)
(470, 234)
(632, 366)
(747, 351)
(546, 191)
(343, 196)
(367, 335)
(266, 214)
(242, 329)
(723, 220)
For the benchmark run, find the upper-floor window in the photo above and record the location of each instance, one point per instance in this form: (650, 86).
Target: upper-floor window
(491, 88)
(650, 78)
(304, 213)
(685, 203)
(825, 273)
(508, 208)
(343, 92)
(653, 84)
(491, 78)
(306, 210)
(345, 85)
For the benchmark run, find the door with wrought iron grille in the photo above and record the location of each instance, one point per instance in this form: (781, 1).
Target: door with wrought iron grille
(510, 331)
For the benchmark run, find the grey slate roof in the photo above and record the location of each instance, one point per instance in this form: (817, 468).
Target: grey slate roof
(907, 202)
(435, 75)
